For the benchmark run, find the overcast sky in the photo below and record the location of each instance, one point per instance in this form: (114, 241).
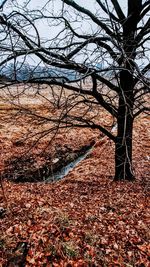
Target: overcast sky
(55, 6)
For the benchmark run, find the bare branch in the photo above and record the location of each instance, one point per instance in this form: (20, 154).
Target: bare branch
(118, 10)
(91, 15)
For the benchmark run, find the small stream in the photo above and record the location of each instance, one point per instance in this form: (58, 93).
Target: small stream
(22, 169)
(66, 169)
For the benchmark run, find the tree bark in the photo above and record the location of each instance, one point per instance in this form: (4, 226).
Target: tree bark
(123, 144)
(123, 151)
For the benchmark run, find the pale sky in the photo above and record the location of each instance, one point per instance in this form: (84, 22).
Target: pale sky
(56, 6)
(44, 30)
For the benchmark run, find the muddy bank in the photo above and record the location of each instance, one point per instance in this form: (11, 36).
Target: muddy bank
(21, 169)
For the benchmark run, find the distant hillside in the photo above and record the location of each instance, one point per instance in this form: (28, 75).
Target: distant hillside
(25, 72)
(3, 78)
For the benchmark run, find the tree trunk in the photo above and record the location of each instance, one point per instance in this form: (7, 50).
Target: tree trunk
(123, 145)
(123, 151)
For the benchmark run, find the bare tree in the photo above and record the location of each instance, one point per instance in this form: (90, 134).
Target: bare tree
(101, 57)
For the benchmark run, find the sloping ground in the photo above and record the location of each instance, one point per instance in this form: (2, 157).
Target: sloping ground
(32, 137)
(85, 219)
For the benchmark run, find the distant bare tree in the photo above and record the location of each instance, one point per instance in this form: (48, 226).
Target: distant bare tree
(101, 57)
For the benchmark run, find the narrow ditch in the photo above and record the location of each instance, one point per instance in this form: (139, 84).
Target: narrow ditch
(70, 166)
(23, 169)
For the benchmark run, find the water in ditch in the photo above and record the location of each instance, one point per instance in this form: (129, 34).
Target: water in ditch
(66, 169)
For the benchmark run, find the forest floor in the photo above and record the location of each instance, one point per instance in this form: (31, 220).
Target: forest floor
(85, 219)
